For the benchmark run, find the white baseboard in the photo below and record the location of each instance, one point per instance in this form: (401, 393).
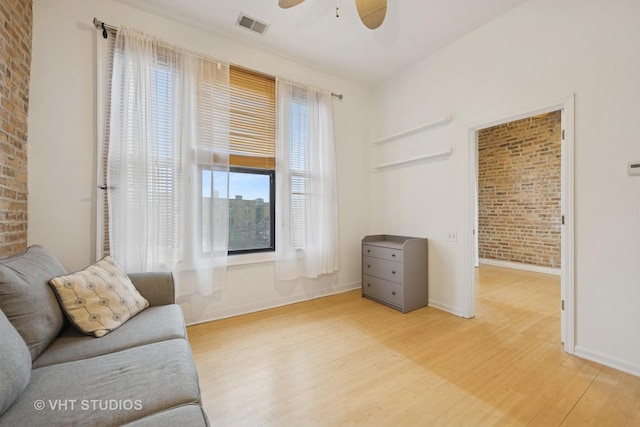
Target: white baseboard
(611, 362)
(521, 266)
(279, 302)
(274, 303)
(446, 307)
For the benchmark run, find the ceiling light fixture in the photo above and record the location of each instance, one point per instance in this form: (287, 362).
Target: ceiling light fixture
(371, 12)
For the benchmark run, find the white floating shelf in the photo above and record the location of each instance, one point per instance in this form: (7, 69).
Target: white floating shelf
(425, 126)
(415, 159)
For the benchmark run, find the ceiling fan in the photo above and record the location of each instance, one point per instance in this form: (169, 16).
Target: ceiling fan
(372, 12)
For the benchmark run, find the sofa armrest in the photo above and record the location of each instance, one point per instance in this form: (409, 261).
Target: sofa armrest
(156, 287)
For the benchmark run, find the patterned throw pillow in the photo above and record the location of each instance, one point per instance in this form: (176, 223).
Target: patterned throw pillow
(98, 299)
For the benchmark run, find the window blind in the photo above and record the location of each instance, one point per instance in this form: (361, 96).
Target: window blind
(252, 119)
(299, 166)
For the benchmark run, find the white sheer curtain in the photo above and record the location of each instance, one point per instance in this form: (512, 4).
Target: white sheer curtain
(307, 207)
(168, 165)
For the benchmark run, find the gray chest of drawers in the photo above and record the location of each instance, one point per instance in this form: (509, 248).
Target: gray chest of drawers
(394, 271)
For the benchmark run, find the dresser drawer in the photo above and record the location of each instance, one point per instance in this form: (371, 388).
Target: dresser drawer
(382, 290)
(382, 253)
(387, 270)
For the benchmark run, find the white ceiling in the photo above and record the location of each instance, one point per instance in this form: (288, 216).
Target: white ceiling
(310, 32)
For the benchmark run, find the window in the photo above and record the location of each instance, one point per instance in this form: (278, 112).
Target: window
(299, 167)
(191, 168)
(251, 185)
(307, 211)
(251, 227)
(251, 208)
(249, 123)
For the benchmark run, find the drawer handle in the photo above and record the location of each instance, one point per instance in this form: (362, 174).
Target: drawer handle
(368, 266)
(393, 255)
(393, 293)
(368, 284)
(369, 250)
(393, 272)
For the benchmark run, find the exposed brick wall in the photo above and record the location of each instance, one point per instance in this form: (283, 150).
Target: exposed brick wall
(519, 191)
(15, 64)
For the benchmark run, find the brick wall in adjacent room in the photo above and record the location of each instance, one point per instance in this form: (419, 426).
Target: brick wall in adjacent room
(15, 62)
(519, 191)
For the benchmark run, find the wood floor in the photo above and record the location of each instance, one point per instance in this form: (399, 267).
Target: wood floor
(345, 360)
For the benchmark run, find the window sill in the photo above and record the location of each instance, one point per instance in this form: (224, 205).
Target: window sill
(246, 259)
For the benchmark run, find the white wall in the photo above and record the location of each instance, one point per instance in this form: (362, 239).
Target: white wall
(538, 53)
(62, 143)
(535, 55)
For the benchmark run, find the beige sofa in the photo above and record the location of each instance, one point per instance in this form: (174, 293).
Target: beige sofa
(140, 374)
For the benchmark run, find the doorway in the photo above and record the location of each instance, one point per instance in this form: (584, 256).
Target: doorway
(518, 181)
(565, 109)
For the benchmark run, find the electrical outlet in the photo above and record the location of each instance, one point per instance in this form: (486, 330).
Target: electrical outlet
(452, 236)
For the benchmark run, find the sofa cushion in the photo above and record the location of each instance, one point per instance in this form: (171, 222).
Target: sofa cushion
(28, 301)
(187, 415)
(157, 287)
(109, 390)
(15, 364)
(100, 298)
(155, 324)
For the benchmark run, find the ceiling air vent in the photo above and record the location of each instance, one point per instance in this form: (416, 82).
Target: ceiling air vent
(251, 24)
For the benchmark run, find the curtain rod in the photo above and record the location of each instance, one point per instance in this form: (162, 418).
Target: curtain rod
(101, 25)
(106, 27)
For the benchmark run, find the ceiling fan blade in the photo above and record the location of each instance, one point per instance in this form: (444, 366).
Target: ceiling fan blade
(372, 12)
(286, 4)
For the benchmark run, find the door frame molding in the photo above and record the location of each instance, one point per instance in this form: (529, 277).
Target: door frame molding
(567, 108)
